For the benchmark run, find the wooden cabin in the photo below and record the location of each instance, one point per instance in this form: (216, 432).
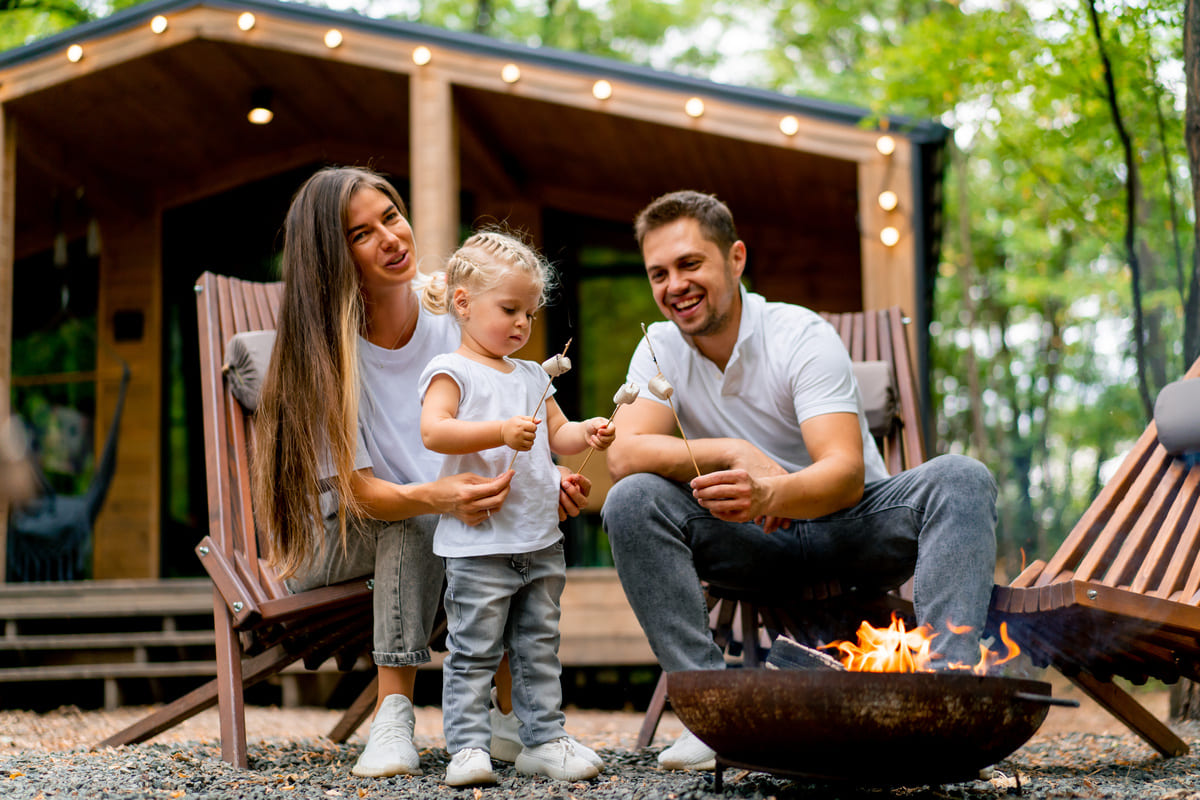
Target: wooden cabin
(128, 166)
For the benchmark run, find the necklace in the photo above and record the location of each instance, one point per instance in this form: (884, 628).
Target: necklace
(406, 332)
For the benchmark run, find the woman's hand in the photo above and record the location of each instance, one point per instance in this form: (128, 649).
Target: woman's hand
(519, 432)
(573, 494)
(470, 497)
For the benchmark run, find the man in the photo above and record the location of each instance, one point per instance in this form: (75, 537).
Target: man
(792, 485)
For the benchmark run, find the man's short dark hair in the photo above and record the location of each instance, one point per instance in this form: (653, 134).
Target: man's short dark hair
(715, 218)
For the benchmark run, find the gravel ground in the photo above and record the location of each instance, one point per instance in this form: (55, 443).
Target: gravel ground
(47, 756)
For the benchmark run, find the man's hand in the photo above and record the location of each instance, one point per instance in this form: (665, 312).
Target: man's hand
(734, 495)
(573, 494)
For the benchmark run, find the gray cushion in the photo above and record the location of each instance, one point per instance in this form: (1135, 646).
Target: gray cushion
(877, 384)
(245, 368)
(1177, 416)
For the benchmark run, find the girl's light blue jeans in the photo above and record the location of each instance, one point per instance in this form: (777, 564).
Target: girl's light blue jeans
(497, 603)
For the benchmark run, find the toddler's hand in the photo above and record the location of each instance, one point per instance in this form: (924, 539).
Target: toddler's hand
(599, 434)
(519, 432)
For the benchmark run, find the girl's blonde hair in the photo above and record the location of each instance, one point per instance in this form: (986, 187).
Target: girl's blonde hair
(480, 263)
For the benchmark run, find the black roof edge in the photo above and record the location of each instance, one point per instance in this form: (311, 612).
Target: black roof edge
(916, 130)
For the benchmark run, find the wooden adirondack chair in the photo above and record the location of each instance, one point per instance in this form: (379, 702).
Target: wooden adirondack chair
(260, 628)
(1121, 595)
(870, 337)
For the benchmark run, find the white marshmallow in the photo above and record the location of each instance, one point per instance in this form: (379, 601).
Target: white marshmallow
(556, 365)
(661, 388)
(626, 394)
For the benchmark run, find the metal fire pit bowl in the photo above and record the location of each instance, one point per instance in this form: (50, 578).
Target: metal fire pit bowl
(897, 729)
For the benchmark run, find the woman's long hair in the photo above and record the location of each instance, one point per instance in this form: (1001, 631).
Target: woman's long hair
(306, 426)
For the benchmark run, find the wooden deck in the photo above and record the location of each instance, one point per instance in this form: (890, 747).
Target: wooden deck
(117, 632)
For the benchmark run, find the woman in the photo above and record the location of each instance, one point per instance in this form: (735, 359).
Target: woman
(342, 485)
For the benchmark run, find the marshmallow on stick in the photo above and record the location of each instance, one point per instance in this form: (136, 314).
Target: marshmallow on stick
(624, 396)
(554, 366)
(661, 388)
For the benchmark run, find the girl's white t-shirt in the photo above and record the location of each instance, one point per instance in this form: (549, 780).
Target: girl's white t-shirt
(528, 520)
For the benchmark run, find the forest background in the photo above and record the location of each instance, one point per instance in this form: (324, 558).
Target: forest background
(1068, 291)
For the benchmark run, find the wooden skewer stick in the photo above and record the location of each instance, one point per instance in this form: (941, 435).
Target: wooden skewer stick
(540, 399)
(592, 449)
(670, 404)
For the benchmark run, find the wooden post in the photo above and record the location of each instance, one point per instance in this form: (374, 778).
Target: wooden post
(129, 324)
(8, 222)
(434, 168)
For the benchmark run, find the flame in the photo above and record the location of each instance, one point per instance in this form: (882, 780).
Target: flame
(897, 649)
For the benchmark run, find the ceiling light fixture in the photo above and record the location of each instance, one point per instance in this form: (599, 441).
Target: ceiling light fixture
(260, 107)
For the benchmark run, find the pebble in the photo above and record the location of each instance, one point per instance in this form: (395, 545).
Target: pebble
(1060, 765)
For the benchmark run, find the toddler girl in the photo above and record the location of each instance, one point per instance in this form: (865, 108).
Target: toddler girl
(505, 575)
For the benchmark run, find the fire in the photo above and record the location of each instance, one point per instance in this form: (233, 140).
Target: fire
(897, 649)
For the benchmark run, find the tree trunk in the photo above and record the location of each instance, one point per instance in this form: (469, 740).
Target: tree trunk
(1131, 205)
(1191, 61)
(1185, 700)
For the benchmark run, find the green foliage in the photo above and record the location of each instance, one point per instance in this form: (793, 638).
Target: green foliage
(1032, 352)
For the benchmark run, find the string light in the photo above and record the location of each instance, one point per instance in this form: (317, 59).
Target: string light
(74, 53)
(889, 236)
(158, 24)
(885, 145)
(789, 125)
(510, 73)
(333, 38)
(694, 107)
(602, 90)
(888, 200)
(246, 21)
(422, 56)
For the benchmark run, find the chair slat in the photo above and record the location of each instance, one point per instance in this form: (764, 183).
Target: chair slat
(1145, 534)
(1091, 524)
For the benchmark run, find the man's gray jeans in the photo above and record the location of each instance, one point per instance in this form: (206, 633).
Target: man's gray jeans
(935, 523)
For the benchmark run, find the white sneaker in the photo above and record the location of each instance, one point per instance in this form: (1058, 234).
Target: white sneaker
(688, 752)
(506, 737)
(558, 759)
(389, 749)
(470, 766)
